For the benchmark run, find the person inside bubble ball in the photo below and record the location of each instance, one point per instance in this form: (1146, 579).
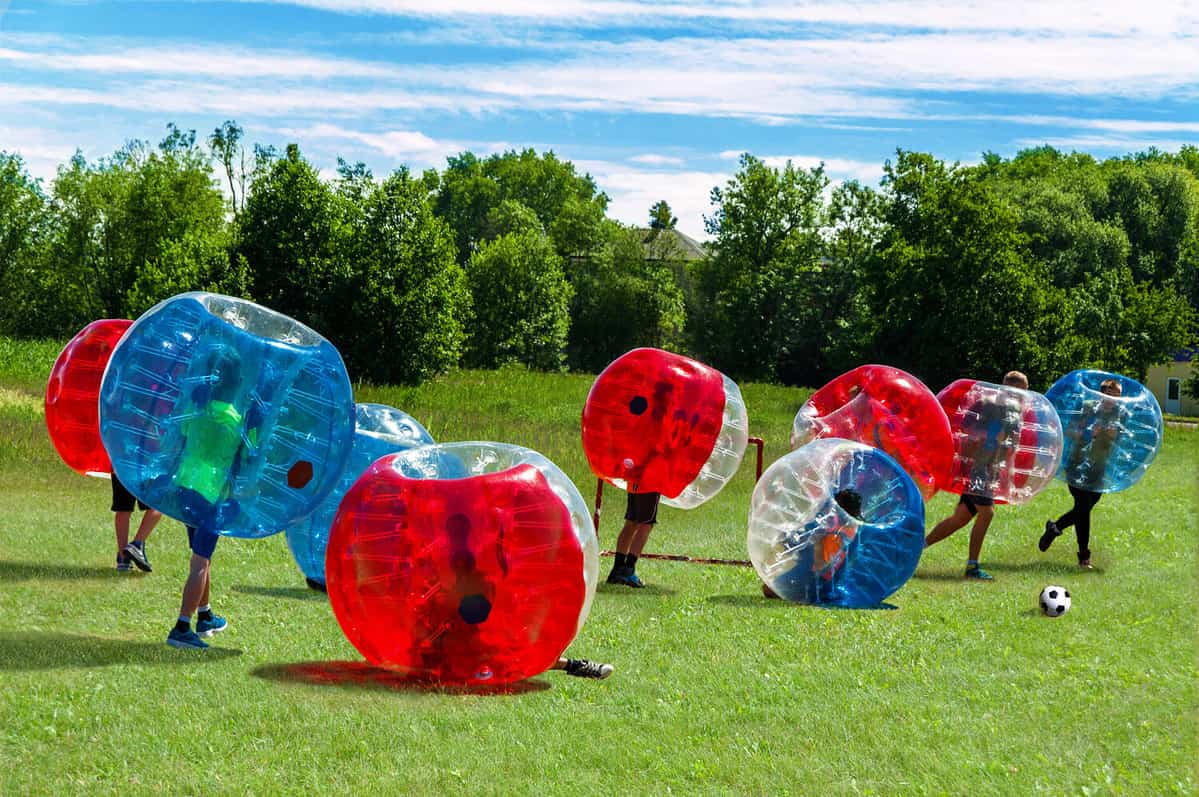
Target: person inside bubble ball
(999, 433)
(1093, 433)
(213, 446)
(825, 555)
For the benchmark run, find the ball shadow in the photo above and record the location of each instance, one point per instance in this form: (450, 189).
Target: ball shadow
(40, 571)
(758, 601)
(31, 650)
(360, 675)
(292, 593)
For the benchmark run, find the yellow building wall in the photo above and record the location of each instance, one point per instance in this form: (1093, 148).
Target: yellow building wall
(1156, 383)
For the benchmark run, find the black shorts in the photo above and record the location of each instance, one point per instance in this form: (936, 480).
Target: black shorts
(643, 508)
(122, 499)
(973, 502)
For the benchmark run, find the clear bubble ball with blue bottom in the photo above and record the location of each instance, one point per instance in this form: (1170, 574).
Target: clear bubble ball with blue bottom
(836, 523)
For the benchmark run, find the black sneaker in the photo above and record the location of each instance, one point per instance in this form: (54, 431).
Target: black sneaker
(137, 554)
(313, 584)
(582, 668)
(123, 565)
(618, 575)
(1052, 532)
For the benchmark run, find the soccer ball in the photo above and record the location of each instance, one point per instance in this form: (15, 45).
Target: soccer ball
(1055, 601)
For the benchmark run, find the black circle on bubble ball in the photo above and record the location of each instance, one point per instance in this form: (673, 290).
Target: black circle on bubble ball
(474, 609)
(638, 405)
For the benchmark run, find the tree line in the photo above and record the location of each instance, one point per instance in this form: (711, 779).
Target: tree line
(1043, 262)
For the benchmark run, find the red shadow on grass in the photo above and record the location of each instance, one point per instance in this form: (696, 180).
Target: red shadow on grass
(360, 675)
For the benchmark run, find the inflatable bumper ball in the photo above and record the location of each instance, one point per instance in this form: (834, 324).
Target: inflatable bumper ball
(379, 430)
(1007, 441)
(663, 423)
(1111, 436)
(462, 563)
(888, 409)
(226, 415)
(73, 397)
(836, 523)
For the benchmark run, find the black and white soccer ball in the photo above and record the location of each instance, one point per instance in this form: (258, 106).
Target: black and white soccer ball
(1055, 601)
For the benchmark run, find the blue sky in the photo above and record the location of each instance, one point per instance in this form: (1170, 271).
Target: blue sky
(655, 100)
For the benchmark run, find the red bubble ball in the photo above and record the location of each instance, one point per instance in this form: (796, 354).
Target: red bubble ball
(73, 396)
(660, 422)
(886, 408)
(459, 577)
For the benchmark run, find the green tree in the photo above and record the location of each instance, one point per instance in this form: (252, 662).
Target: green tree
(626, 296)
(521, 302)
(758, 320)
(405, 301)
(25, 225)
(661, 217)
(292, 233)
(568, 205)
(953, 289)
(121, 217)
(225, 142)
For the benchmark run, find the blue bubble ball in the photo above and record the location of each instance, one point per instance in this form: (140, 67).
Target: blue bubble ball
(836, 523)
(379, 430)
(226, 415)
(1112, 429)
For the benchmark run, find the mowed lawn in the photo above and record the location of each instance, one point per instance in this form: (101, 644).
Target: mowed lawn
(962, 689)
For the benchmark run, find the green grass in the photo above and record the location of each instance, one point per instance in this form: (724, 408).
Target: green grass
(964, 689)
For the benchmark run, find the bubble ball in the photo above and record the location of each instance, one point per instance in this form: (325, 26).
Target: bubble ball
(660, 422)
(1109, 441)
(836, 523)
(886, 408)
(1007, 442)
(378, 430)
(73, 396)
(226, 415)
(462, 563)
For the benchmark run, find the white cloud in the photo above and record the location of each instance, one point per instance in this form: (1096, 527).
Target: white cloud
(836, 168)
(410, 147)
(1108, 17)
(653, 159)
(632, 192)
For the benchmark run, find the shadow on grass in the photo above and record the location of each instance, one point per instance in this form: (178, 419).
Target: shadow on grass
(33, 650)
(294, 593)
(605, 588)
(757, 601)
(45, 571)
(1043, 566)
(360, 675)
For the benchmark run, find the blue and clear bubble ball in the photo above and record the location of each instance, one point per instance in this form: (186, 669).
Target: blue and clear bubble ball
(226, 415)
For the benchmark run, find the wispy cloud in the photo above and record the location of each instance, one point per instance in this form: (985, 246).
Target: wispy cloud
(1090, 16)
(653, 159)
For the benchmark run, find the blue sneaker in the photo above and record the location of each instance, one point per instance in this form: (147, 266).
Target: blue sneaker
(123, 564)
(207, 628)
(187, 640)
(976, 572)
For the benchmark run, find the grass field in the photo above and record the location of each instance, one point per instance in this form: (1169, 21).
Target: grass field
(964, 689)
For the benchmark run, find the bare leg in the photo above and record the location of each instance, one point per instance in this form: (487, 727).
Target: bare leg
(195, 591)
(640, 536)
(150, 519)
(624, 542)
(960, 517)
(978, 532)
(120, 521)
